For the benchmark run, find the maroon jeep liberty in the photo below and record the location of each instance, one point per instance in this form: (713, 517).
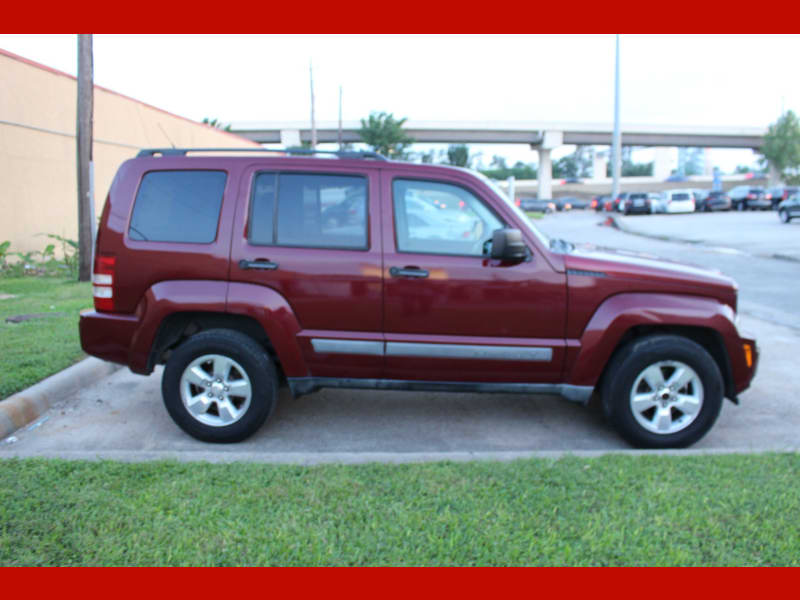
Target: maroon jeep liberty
(242, 273)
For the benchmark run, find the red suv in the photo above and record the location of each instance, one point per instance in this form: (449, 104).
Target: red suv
(245, 273)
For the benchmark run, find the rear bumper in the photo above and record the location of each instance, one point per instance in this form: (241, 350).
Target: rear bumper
(107, 336)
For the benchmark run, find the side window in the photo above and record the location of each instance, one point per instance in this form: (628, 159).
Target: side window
(178, 206)
(314, 211)
(440, 218)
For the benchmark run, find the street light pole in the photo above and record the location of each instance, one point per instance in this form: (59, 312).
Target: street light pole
(313, 119)
(615, 148)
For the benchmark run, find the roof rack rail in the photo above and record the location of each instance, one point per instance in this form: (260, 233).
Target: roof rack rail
(355, 154)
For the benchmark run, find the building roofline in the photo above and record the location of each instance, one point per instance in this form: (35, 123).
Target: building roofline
(44, 67)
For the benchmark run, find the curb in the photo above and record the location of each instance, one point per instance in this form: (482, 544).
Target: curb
(360, 458)
(28, 405)
(616, 224)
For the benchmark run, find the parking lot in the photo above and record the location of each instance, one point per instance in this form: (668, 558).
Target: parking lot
(123, 417)
(754, 233)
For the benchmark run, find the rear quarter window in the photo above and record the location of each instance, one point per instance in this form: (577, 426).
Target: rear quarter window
(178, 206)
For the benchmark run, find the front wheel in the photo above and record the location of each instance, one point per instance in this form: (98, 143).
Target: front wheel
(662, 391)
(220, 386)
(783, 215)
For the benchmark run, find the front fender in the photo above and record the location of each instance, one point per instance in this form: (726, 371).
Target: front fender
(618, 314)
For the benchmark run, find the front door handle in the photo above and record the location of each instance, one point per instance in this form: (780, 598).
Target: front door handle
(261, 264)
(408, 272)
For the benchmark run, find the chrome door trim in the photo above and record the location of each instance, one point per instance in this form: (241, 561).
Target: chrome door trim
(469, 351)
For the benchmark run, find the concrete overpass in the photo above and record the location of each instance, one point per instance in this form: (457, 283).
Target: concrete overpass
(542, 136)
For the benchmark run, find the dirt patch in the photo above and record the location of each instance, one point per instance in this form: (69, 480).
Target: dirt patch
(30, 317)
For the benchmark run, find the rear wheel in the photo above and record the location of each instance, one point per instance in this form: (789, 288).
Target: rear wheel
(220, 386)
(662, 391)
(740, 206)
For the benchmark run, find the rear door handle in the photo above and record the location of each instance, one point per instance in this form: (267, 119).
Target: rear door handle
(261, 264)
(408, 272)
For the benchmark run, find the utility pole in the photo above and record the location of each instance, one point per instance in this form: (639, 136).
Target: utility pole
(340, 117)
(84, 157)
(313, 121)
(615, 148)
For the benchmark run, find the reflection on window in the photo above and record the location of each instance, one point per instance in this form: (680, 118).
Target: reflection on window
(178, 206)
(440, 218)
(317, 211)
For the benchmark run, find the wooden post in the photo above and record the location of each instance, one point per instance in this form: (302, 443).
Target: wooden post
(84, 156)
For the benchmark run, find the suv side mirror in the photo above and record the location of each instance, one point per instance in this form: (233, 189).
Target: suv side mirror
(507, 244)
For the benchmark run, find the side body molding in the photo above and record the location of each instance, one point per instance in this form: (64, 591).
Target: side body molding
(618, 314)
(274, 314)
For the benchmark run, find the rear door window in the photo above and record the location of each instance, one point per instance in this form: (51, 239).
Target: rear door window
(309, 210)
(178, 206)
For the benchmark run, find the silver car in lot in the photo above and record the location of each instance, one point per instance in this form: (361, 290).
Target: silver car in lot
(674, 201)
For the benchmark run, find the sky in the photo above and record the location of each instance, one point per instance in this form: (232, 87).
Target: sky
(681, 80)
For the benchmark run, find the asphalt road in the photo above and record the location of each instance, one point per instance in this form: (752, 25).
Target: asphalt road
(122, 417)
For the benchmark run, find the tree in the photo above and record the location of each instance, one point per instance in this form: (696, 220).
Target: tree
(458, 155)
(781, 147)
(632, 169)
(216, 124)
(565, 167)
(499, 170)
(385, 135)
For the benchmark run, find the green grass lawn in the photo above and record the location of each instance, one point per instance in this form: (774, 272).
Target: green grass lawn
(613, 510)
(534, 215)
(32, 350)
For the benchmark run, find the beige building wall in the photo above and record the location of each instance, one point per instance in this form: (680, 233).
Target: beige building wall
(38, 170)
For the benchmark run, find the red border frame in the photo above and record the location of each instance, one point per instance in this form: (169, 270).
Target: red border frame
(410, 16)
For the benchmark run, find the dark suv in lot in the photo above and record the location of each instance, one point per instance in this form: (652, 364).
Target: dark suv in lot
(745, 197)
(245, 273)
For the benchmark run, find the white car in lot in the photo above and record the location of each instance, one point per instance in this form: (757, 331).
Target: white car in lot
(674, 201)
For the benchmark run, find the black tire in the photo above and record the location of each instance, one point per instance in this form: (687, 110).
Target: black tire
(783, 215)
(740, 206)
(627, 366)
(258, 367)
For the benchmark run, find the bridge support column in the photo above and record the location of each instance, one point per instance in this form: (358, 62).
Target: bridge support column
(545, 175)
(290, 138)
(550, 140)
(599, 165)
(662, 163)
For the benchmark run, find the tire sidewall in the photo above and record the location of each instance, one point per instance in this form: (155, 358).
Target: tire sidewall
(632, 361)
(253, 359)
(783, 215)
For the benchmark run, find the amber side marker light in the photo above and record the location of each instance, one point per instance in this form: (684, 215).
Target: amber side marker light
(748, 355)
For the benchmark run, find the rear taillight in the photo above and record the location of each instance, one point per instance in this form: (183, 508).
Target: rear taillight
(768, 196)
(751, 196)
(517, 202)
(103, 282)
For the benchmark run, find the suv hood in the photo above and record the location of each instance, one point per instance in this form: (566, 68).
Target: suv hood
(650, 272)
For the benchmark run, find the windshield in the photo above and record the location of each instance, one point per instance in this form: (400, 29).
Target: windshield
(522, 216)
